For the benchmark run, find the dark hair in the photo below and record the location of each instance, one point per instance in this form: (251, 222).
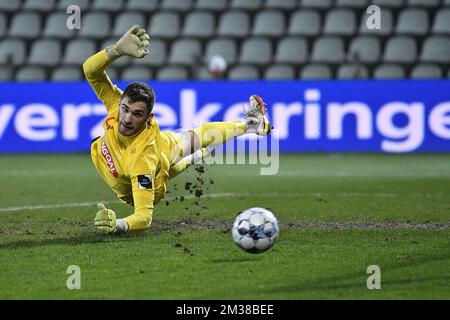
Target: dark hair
(139, 91)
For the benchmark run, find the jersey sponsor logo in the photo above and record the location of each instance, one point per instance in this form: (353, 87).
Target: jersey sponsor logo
(107, 155)
(107, 121)
(145, 181)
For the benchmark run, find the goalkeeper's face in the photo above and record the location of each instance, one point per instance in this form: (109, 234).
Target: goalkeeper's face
(132, 116)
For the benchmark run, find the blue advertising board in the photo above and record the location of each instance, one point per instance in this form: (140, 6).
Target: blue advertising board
(309, 116)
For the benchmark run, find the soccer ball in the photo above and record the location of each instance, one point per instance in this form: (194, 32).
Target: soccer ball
(255, 230)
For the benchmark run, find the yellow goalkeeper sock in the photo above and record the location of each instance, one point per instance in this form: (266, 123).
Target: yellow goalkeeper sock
(217, 133)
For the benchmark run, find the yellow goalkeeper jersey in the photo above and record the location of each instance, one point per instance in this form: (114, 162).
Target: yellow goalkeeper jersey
(137, 167)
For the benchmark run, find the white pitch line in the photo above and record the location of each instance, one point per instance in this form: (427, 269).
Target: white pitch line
(92, 203)
(51, 206)
(215, 195)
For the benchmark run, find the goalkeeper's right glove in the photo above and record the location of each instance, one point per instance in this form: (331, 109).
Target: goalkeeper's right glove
(133, 43)
(105, 219)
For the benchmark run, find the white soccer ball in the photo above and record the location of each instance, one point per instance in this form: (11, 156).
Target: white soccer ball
(255, 230)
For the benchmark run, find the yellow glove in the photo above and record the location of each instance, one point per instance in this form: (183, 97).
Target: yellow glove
(105, 220)
(133, 43)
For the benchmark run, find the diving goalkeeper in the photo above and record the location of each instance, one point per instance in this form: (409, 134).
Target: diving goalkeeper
(136, 159)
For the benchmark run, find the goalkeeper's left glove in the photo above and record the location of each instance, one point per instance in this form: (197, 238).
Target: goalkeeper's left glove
(133, 43)
(105, 219)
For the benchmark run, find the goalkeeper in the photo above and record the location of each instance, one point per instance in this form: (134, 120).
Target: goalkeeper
(136, 159)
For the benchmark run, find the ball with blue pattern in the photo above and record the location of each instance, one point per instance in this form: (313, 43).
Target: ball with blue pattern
(255, 230)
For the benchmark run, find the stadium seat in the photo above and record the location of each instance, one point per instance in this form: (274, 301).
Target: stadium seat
(400, 49)
(328, 49)
(204, 74)
(82, 4)
(136, 73)
(124, 21)
(281, 4)
(113, 73)
(234, 24)
(122, 61)
(426, 71)
(158, 54)
(365, 49)
(352, 71)
(31, 73)
(292, 50)
(67, 74)
(412, 22)
(211, 5)
(176, 5)
(436, 49)
(256, 51)
(340, 22)
(222, 46)
(245, 33)
(388, 3)
(317, 4)
(12, 51)
(39, 5)
(389, 71)
(45, 52)
(164, 25)
(199, 24)
(386, 24)
(251, 5)
(279, 72)
(6, 73)
(424, 3)
(172, 73)
(269, 23)
(305, 23)
(107, 5)
(78, 50)
(3, 24)
(145, 6)
(55, 27)
(243, 72)
(185, 52)
(356, 4)
(25, 25)
(315, 72)
(10, 6)
(441, 22)
(95, 25)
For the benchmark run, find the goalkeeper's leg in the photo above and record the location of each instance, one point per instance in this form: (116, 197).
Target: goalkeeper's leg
(186, 162)
(198, 143)
(210, 134)
(214, 134)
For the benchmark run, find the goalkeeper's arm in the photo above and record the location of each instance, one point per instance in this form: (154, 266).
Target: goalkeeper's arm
(107, 222)
(141, 219)
(133, 43)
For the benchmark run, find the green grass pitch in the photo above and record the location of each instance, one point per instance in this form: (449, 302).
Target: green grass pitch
(338, 214)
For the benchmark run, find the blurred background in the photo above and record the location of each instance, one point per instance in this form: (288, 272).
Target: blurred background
(338, 75)
(230, 39)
